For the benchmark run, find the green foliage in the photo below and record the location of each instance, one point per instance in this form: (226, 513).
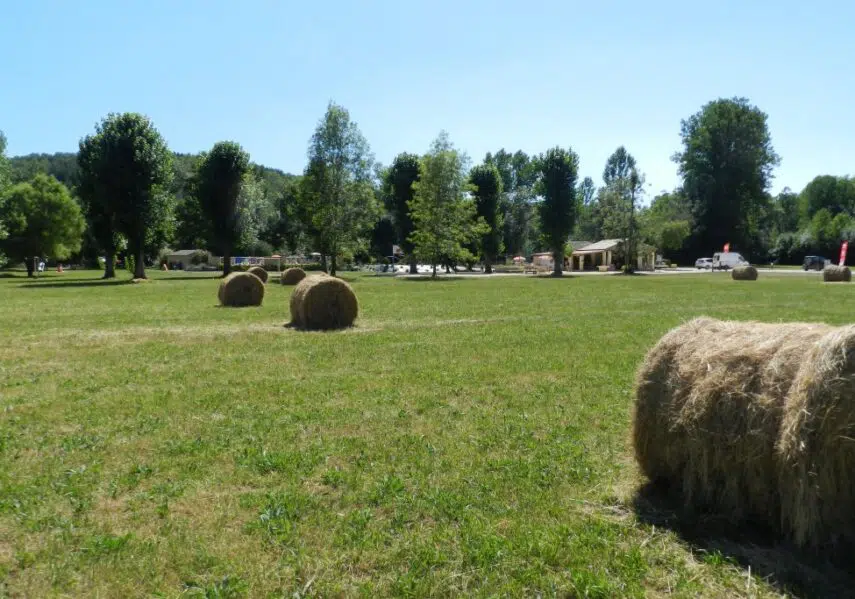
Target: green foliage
(444, 219)
(487, 191)
(337, 199)
(41, 219)
(220, 177)
(400, 182)
(726, 164)
(833, 194)
(558, 210)
(521, 230)
(125, 173)
(60, 165)
(130, 264)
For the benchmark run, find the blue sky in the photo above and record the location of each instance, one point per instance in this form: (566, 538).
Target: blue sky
(518, 75)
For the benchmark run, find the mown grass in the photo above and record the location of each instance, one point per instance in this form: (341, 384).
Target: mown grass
(468, 437)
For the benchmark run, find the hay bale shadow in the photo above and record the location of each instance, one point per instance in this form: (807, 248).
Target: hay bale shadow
(790, 570)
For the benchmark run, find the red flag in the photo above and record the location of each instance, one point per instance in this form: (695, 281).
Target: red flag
(726, 247)
(844, 249)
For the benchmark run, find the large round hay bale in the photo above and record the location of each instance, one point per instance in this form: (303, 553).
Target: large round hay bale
(744, 273)
(241, 289)
(817, 445)
(292, 276)
(322, 302)
(836, 274)
(708, 411)
(259, 272)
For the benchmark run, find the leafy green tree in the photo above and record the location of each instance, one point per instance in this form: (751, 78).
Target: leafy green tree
(444, 219)
(283, 228)
(619, 203)
(5, 165)
(5, 179)
(42, 219)
(557, 183)
(219, 181)
(726, 164)
(666, 223)
(589, 220)
(130, 170)
(520, 231)
(487, 190)
(826, 192)
(785, 211)
(337, 194)
(95, 200)
(61, 165)
(400, 180)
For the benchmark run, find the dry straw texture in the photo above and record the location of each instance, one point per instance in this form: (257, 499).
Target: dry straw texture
(817, 445)
(259, 272)
(321, 302)
(744, 273)
(241, 289)
(292, 276)
(836, 274)
(710, 399)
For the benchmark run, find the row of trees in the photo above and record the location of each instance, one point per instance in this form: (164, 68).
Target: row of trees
(125, 192)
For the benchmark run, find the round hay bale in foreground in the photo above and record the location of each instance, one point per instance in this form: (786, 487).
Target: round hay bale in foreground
(292, 276)
(241, 289)
(836, 274)
(817, 445)
(322, 302)
(259, 272)
(744, 273)
(708, 410)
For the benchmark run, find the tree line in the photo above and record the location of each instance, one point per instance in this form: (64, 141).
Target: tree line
(125, 193)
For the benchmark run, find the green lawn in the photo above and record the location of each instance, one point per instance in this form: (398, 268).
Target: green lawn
(469, 436)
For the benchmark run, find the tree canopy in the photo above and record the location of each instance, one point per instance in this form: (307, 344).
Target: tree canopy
(558, 173)
(444, 219)
(487, 191)
(219, 181)
(41, 220)
(337, 194)
(400, 180)
(726, 164)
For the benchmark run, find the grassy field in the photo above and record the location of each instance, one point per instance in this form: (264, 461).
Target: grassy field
(469, 436)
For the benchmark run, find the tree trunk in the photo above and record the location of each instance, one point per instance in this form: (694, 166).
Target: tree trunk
(139, 267)
(332, 265)
(558, 259)
(434, 270)
(488, 266)
(324, 262)
(28, 262)
(227, 262)
(414, 269)
(110, 263)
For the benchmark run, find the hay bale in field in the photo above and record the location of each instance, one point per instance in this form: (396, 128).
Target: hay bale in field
(321, 302)
(744, 273)
(241, 289)
(817, 445)
(709, 405)
(836, 274)
(292, 276)
(259, 272)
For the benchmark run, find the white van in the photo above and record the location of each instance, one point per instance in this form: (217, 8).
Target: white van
(727, 260)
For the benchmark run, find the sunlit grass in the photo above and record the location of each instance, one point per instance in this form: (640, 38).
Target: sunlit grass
(469, 436)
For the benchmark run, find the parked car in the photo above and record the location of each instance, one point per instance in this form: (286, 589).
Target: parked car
(727, 260)
(703, 263)
(814, 263)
